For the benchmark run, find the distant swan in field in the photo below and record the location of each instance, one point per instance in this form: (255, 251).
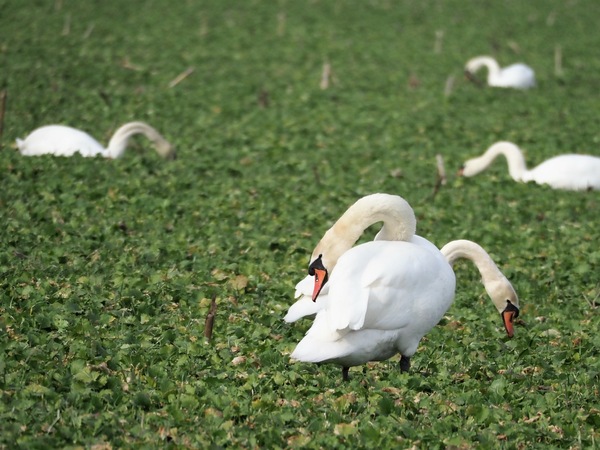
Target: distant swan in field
(570, 171)
(61, 140)
(519, 76)
(380, 298)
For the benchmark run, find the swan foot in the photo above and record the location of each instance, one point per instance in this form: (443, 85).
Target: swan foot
(404, 364)
(345, 376)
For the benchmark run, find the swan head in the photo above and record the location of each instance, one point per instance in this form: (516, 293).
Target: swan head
(166, 150)
(470, 168)
(470, 75)
(509, 314)
(506, 301)
(319, 272)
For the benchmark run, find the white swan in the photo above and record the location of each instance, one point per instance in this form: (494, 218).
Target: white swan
(380, 298)
(60, 140)
(519, 76)
(569, 171)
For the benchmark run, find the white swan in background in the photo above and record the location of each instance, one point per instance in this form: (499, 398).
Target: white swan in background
(519, 76)
(61, 140)
(569, 171)
(381, 297)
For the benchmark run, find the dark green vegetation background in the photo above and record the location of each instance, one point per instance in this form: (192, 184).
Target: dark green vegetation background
(107, 268)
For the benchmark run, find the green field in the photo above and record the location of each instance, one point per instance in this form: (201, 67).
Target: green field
(108, 267)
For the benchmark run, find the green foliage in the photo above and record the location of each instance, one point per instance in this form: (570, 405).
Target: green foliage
(108, 268)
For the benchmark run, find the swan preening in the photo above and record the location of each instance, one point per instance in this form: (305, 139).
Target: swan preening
(380, 298)
(569, 171)
(519, 76)
(61, 140)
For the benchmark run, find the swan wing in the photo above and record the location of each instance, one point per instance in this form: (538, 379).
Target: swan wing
(59, 140)
(575, 172)
(389, 286)
(516, 75)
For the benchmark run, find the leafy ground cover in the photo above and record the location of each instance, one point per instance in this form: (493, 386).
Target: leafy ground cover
(108, 268)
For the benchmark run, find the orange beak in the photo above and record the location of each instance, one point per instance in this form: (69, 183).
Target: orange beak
(510, 313)
(320, 280)
(508, 317)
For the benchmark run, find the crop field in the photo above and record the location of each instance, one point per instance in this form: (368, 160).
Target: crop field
(284, 113)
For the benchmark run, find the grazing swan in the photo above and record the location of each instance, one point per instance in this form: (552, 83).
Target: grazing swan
(572, 172)
(519, 76)
(380, 298)
(60, 140)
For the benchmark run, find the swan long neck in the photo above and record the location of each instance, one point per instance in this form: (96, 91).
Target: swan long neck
(399, 224)
(496, 285)
(118, 142)
(516, 162)
(473, 65)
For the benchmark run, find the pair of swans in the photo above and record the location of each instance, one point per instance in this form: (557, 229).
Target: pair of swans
(60, 140)
(518, 76)
(380, 298)
(569, 171)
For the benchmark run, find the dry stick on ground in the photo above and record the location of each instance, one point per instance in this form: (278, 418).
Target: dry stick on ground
(437, 46)
(448, 86)
(210, 319)
(558, 70)
(325, 75)
(182, 76)
(3, 95)
(441, 175)
(280, 24)
(67, 26)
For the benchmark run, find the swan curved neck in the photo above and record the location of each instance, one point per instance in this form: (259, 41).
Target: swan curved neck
(493, 279)
(514, 157)
(399, 224)
(118, 142)
(473, 65)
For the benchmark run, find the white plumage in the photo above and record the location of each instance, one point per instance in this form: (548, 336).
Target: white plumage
(518, 76)
(382, 296)
(569, 171)
(61, 140)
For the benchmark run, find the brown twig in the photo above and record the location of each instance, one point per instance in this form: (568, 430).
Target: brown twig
(325, 75)
(3, 95)
(449, 86)
(280, 24)
(182, 76)
(558, 69)
(441, 175)
(210, 319)
(317, 176)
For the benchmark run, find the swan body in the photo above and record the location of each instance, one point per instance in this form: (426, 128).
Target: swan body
(383, 296)
(569, 171)
(61, 140)
(518, 76)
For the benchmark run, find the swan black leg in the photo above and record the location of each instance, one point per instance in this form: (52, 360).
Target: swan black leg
(404, 363)
(345, 376)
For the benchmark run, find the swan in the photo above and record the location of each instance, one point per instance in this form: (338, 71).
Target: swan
(569, 171)
(380, 298)
(519, 76)
(61, 140)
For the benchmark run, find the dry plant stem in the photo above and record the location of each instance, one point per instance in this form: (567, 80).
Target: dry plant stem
(558, 69)
(210, 319)
(67, 26)
(441, 175)
(325, 75)
(3, 95)
(182, 76)
(449, 86)
(88, 31)
(439, 37)
(280, 24)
